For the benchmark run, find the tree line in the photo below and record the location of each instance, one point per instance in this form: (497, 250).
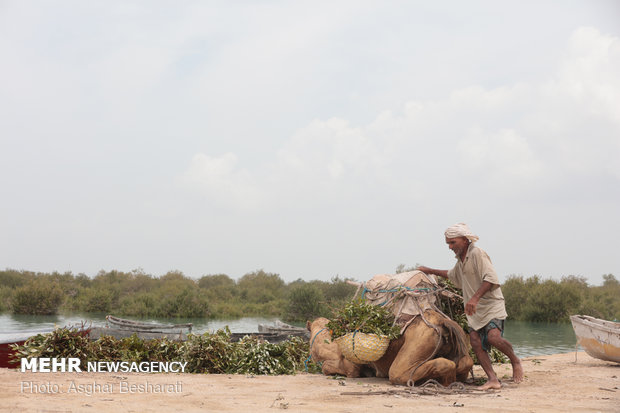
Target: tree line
(172, 295)
(535, 299)
(260, 293)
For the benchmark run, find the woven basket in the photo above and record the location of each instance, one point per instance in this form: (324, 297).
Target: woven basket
(362, 348)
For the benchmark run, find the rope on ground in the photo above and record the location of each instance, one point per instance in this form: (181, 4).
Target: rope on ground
(429, 388)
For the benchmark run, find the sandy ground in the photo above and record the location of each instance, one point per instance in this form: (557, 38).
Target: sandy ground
(555, 383)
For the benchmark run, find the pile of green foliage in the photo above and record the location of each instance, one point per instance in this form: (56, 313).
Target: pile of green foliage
(206, 353)
(359, 315)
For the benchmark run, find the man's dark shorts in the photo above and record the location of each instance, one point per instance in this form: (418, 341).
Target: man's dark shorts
(484, 332)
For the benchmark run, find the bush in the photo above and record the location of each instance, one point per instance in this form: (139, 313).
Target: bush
(14, 279)
(185, 303)
(305, 303)
(94, 300)
(551, 302)
(40, 296)
(5, 298)
(259, 287)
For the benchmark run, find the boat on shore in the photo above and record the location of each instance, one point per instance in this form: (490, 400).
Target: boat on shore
(599, 338)
(126, 324)
(122, 328)
(283, 328)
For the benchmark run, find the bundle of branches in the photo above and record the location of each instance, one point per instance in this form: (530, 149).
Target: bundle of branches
(454, 307)
(358, 315)
(205, 353)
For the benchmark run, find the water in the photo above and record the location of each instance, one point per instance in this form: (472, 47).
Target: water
(534, 339)
(13, 323)
(528, 339)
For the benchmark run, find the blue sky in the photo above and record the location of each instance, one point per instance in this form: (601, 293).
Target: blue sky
(309, 139)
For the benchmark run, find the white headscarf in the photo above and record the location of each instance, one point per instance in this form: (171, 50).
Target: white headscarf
(461, 230)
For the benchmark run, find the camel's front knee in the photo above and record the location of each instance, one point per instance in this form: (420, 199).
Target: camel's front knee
(332, 367)
(463, 367)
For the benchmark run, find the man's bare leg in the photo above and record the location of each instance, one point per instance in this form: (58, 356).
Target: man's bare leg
(485, 362)
(496, 340)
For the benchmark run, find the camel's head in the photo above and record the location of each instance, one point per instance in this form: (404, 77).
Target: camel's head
(317, 324)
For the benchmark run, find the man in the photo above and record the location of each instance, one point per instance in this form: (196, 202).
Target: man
(483, 299)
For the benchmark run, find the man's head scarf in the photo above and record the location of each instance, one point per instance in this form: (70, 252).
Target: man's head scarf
(461, 230)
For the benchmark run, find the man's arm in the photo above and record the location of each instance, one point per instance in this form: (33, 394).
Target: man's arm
(427, 270)
(470, 307)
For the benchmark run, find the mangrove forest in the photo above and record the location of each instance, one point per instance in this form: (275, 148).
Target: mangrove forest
(260, 293)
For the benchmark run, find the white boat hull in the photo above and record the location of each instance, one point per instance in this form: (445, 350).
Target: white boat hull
(599, 338)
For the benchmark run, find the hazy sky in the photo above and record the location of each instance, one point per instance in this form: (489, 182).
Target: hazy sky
(309, 138)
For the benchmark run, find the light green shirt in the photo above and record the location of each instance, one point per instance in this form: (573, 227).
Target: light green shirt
(468, 275)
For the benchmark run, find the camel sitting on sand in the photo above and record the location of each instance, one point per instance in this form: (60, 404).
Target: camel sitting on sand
(432, 347)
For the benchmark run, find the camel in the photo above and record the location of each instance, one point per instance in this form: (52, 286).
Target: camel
(324, 350)
(432, 347)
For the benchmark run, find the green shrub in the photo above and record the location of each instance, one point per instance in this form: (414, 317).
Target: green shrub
(259, 287)
(14, 279)
(5, 297)
(216, 281)
(40, 296)
(94, 300)
(551, 302)
(305, 303)
(185, 303)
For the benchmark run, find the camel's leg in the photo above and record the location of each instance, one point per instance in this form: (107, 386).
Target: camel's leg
(351, 370)
(463, 367)
(420, 343)
(440, 369)
(331, 367)
(341, 367)
(382, 366)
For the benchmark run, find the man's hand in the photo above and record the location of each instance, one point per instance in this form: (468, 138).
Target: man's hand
(424, 269)
(470, 307)
(427, 270)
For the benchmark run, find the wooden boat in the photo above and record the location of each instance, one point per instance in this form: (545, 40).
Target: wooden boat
(125, 324)
(599, 338)
(282, 328)
(122, 328)
(118, 333)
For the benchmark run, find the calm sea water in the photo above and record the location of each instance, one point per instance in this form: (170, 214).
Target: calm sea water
(528, 339)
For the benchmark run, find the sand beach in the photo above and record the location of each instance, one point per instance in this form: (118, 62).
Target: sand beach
(570, 382)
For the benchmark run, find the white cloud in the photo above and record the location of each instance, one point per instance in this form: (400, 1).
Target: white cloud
(222, 182)
(331, 150)
(578, 114)
(512, 140)
(503, 158)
